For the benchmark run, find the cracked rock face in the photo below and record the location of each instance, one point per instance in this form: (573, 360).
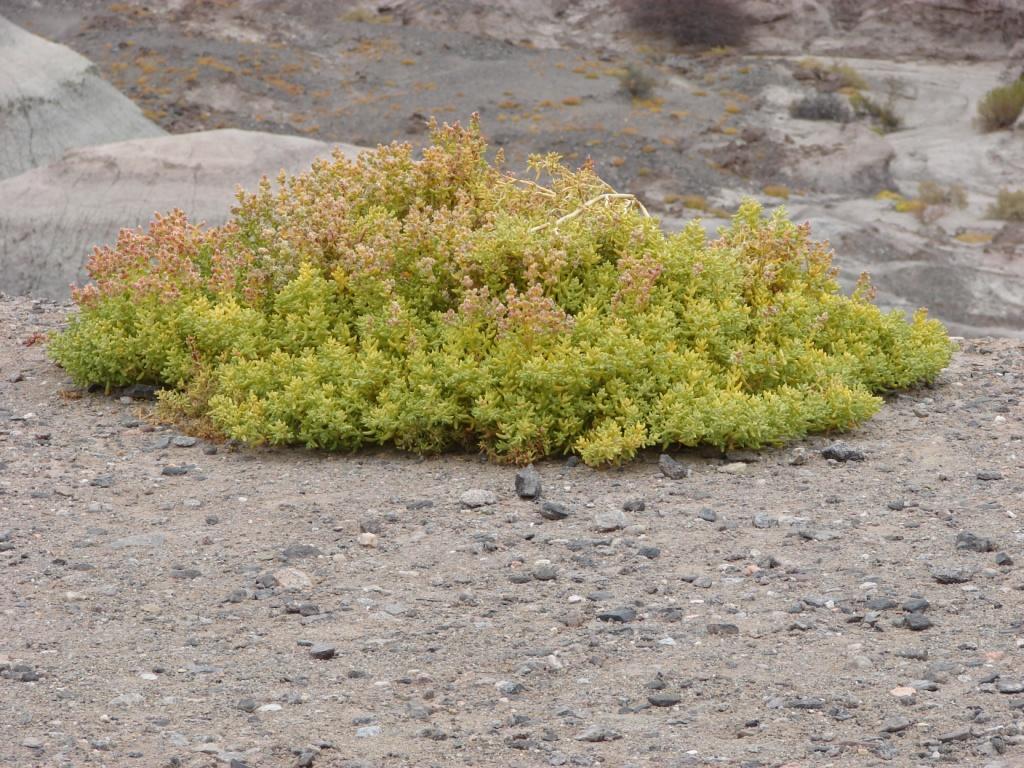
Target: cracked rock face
(52, 100)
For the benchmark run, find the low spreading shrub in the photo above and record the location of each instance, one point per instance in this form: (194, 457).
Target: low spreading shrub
(821, 106)
(444, 303)
(703, 23)
(1009, 205)
(1001, 106)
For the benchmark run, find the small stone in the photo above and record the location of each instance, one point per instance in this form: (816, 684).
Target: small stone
(904, 693)
(840, 451)
(805, 702)
(300, 551)
(127, 700)
(960, 734)
(31, 742)
(880, 604)
(620, 615)
(552, 510)
(528, 483)
(723, 629)
(288, 578)
(798, 457)
(764, 521)
(989, 474)
(184, 441)
(895, 724)
(367, 539)
(916, 605)
(368, 731)
(509, 687)
(246, 705)
(916, 622)
(634, 505)
(545, 572)
(974, 543)
(1010, 686)
(649, 552)
(708, 514)
(610, 520)
(477, 497)
(733, 468)
(661, 699)
(175, 470)
(951, 575)
(323, 651)
(672, 469)
(597, 733)
(1003, 559)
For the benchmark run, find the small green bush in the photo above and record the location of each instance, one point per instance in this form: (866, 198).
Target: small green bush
(1001, 106)
(1009, 205)
(444, 303)
(637, 82)
(883, 115)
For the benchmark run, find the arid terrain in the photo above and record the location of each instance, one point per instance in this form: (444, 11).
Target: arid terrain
(166, 599)
(850, 601)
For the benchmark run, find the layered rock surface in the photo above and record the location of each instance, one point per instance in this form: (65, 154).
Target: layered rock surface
(51, 217)
(52, 100)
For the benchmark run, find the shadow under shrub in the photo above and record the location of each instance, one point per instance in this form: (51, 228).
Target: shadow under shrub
(706, 23)
(821, 106)
(444, 303)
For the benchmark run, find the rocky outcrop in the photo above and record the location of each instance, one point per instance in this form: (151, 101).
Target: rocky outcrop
(843, 159)
(51, 217)
(936, 28)
(52, 100)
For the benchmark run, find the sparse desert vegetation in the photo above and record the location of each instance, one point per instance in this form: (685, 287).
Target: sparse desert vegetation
(1009, 205)
(1001, 106)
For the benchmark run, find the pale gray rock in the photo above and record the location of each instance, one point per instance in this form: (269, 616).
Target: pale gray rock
(52, 100)
(52, 217)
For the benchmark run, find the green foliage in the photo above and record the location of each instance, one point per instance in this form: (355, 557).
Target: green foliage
(1009, 205)
(885, 118)
(444, 303)
(636, 81)
(1001, 106)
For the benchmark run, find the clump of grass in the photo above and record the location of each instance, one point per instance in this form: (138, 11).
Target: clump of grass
(637, 82)
(883, 115)
(715, 24)
(1009, 205)
(933, 193)
(1001, 106)
(837, 75)
(821, 106)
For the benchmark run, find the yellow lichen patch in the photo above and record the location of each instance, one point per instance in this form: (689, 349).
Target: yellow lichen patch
(974, 237)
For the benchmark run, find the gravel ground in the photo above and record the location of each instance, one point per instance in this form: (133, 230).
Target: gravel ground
(171, 602)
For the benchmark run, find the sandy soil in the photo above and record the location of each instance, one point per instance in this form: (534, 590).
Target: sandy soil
(162, 601)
